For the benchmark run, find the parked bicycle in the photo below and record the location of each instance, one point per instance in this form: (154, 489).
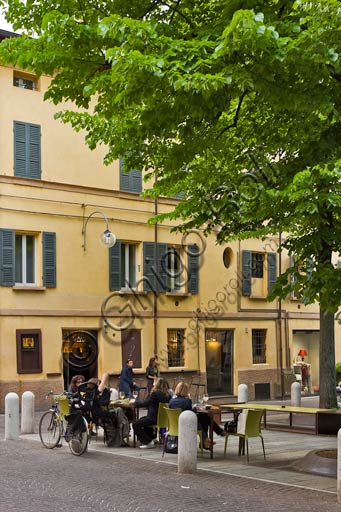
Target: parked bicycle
(64, 421)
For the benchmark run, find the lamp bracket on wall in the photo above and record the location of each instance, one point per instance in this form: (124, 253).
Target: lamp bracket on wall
(107, 238)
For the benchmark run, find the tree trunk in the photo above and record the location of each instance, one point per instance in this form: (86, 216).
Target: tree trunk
(327, 361)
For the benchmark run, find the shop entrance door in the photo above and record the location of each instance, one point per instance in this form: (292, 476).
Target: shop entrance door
(80, 355)
(219, 361)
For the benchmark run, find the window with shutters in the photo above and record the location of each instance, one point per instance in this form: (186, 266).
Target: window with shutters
(131, 180)
(176, 347)
(27, 151)
(25, 259)
(259, 273)
(22, 254)
(258, 346)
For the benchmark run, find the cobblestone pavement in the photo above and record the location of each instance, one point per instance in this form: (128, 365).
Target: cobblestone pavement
(36, 479)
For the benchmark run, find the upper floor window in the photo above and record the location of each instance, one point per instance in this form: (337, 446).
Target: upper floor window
(174, 269)
(130, 181)
(122, 266)
(164, 268)
(20, 255)
(175, 347)
(24, 81)
(258, 346)
(25, 259)
(259, 273)
(128, 265)
(27, 151)
(257, 264)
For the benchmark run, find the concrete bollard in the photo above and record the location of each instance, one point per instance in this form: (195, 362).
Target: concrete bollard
(243, 393)
(11, 416)
(27, 413)
(187, 442)
(296, 394)
(339, 466)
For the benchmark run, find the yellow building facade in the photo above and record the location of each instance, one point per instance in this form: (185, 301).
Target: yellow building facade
(71, 306)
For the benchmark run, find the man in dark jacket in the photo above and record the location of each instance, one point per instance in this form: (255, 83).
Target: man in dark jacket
(127, 383)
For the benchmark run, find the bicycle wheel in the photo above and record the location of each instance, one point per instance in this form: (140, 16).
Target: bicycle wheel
(79, 437)
(50, 429)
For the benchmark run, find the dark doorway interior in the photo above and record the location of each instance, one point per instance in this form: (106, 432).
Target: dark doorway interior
(219, 361)
(80, 354)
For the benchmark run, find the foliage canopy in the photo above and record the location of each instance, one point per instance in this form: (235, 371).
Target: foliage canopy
(234, 103)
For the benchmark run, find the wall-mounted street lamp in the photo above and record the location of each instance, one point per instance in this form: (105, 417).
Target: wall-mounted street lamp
(107, 238)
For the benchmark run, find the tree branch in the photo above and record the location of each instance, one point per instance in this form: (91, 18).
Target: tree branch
(236, 116)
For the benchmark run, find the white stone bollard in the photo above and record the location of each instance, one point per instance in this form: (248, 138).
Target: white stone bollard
(243, 393)
(296, 394)
(11, 416)
(187, 442)
(339, 466)
(27, 413)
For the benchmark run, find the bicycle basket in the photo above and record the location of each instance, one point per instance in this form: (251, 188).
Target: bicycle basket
(63, 404)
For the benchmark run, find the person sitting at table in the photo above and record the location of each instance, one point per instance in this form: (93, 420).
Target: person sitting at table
(181, 400)
(143, 427)
(75, 382)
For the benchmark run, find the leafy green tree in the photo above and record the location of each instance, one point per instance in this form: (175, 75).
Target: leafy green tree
(234, 103)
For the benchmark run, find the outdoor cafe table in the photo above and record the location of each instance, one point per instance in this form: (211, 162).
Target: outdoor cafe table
(213, 412)
(280, 409)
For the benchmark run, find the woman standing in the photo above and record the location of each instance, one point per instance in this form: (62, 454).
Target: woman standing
(152, 373)
(143, 426)
(127, 383)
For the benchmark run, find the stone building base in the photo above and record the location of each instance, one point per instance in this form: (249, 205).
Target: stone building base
(39, 388)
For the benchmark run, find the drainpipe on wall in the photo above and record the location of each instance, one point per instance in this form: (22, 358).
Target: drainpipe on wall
(155, 311)
(280, 319)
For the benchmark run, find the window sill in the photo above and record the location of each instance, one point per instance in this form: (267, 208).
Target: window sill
(29, 288)
(261, 297)
(129, 291)
(178, 294)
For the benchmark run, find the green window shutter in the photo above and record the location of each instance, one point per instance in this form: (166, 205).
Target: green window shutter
(193, 269)
(124, 177)
(27, 151)
(135, 181)
(272, 270)
(339, 264)
(130, 181)
(149, 266)
(34, 157)
(49, 260)
(246, 273)
(115, 267)
(161, 277)
(7, 244)
(310, 267)
(19, 149)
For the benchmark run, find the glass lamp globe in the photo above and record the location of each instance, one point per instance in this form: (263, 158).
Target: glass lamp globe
(107, 239)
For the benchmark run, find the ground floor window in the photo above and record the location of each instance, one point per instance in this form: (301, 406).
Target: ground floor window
(258, 346)
(175, 347)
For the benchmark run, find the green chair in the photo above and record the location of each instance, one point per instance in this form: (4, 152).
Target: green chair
(249, 425)
(162, 420)
(173, 427)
